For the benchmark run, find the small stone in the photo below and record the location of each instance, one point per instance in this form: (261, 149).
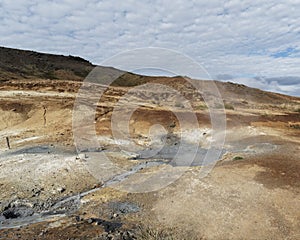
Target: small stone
(82, 156)
(129, 235)
(61, 189)
(110, 237)
(43, 232)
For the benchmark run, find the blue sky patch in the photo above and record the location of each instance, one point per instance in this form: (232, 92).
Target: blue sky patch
(285, 53)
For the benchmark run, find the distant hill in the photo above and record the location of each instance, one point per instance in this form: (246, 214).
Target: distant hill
(23, 64)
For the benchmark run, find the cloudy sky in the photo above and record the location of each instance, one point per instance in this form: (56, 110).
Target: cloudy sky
(253, 42)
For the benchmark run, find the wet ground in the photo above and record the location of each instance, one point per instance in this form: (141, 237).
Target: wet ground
(22, 212)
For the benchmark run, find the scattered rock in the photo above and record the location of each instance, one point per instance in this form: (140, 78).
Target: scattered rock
(17, 212)
(131, 155)
(78, 218)
(82, 156)
(61, 189)
(108, 226)
(43, 232)
(119, 235)
(36, 191)
(124, 207)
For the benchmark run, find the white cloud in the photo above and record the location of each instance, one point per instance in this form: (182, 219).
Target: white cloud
(228, 37)
(273, 85)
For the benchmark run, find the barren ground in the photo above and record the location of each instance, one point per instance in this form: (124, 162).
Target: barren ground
(48, 192)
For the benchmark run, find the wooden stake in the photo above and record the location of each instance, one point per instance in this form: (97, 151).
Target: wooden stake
(7, 142)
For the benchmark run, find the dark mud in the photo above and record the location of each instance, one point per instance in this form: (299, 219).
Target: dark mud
(23, 212)
(40, 149)
(184, 154)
